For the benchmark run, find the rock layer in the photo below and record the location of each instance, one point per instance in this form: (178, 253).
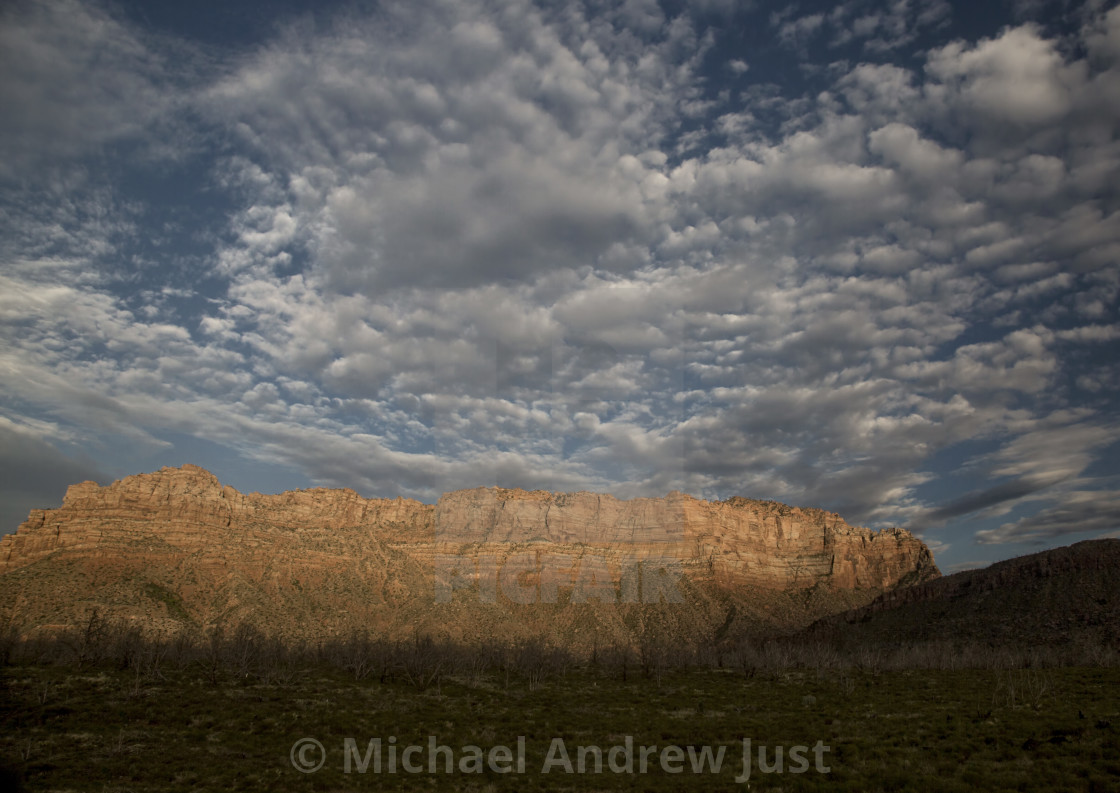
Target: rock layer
(177, 546)
(739, 542)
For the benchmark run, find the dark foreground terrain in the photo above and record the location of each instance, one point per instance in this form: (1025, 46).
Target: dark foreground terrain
(1000, 679)
(237, 716)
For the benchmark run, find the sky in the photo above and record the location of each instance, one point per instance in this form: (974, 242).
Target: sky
(858, 256)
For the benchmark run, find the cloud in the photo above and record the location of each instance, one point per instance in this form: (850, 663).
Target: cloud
(33, 472)
(1075, 512)
(466, 149)
(457, 244)
(982, 499)
(961, 567)
(1019, 79)
(1048, 461)
(80, 77)
(881, 28)
(1102, 38)
(797, 32)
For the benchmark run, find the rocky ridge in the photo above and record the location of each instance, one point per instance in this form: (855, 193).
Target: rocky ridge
(176, 548)
(1058, 597)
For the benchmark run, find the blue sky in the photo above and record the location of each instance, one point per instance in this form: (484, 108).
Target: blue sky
(862, 256)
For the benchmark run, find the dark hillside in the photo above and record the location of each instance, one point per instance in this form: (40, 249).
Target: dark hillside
(1062, 597)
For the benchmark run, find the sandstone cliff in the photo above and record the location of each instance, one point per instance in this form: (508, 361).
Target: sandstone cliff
(176, 548)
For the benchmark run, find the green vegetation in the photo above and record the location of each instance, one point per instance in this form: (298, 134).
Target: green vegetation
(224, 714)
(163, 595)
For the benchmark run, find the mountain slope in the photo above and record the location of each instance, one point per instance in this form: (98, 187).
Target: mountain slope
(176, 550)
(1063, 596)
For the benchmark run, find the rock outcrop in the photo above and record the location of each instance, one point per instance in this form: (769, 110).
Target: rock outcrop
(176, 548)
(739, 542)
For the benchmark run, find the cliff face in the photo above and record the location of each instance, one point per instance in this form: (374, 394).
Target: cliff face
(176, 548)
(740, 542)
(178, 501)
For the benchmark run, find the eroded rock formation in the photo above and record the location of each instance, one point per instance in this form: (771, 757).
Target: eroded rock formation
(177, 548)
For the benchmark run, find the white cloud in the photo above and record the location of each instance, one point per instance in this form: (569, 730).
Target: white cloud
(1019, 78)
(887, 26)
(80, 78)
(387, 147)
(477, 247)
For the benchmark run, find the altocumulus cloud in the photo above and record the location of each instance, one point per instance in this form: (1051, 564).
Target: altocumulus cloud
(859, 256)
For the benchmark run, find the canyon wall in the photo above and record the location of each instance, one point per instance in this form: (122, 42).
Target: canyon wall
(176, 548)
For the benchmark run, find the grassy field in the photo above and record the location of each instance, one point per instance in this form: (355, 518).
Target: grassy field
(194, 728)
